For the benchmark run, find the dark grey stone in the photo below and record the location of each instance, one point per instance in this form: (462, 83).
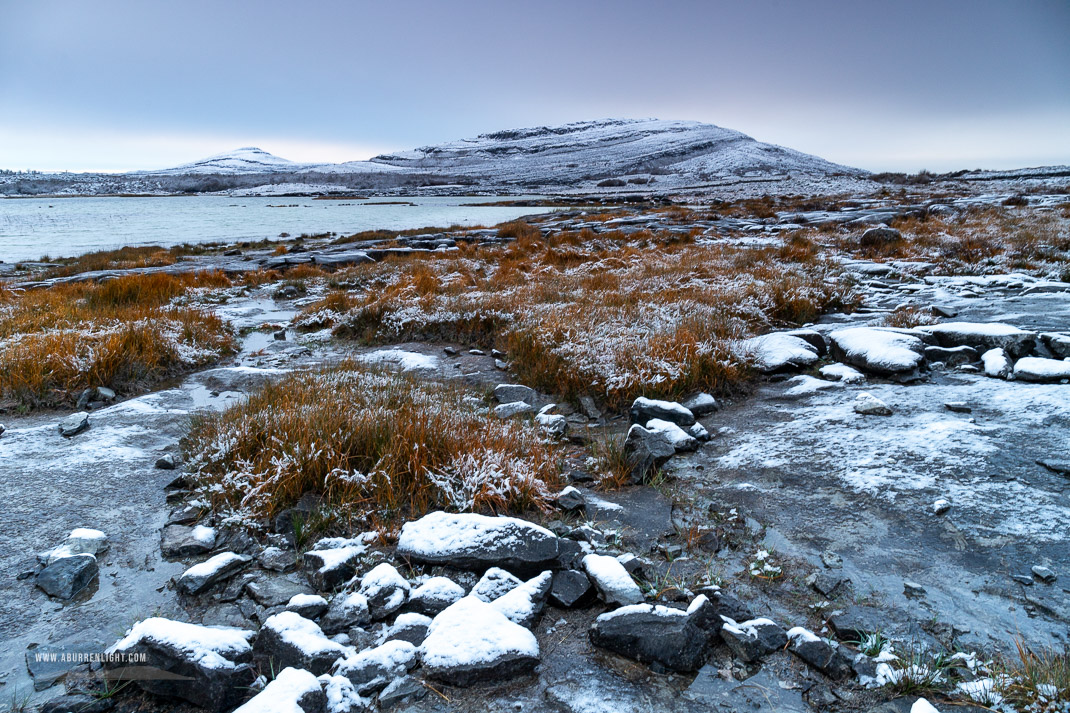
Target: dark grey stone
(401, 690)
(178, 541)
(571, 588)
(275, 591)
(652, 635)
(646, 451)
(68, 576)
(751, 640)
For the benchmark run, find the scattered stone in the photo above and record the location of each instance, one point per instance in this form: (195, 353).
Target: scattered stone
(761, 692)
(831, 560)
(277, 559)
(182, 541)
(570, 500)
(374, 669)
(555, 425)
(74, 424)
(996, 363)
(166, 462)
(471, 642)
(1023, 579)
(292, 690)
(515, 408)
(854, 624)
(701, 404)
(643, 410)
(385, 589)
(67, 576)
(614, 584)
(1044, 574)
(983, 336)
(310, 606)
(819, 653)
(513, 393)
(652, 634)
(778, 351)
(211, 665)
(869, 405)
(450, 351)
(1039, 370)
(941, 506)
(958, 406)
(524, 604)
(681, 440)
(332, 567)
(646, 451)
(879, 237)
(880, 351)
(842, 372)
(590, 408)
(410, 627)
(571, 588)
(470, 541)
(275, 591)
(346, 610)
(494, 583)
(289, 639)
(913, 589)
(401, 690)
(1059, 467)
(201, 577)
(824, 583)
(434, 595)
(753, 639)
(80, 541)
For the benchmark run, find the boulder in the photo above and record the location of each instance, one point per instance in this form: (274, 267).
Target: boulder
(996, 363)
(80, 541)
(1058, 344)
(880, 351)
(819, 654)
(681, 440)
(753, 639)
(571, 588)
(74, 424)
(67, 576)
(275, 591)
(277, 559)
(879, 237)
(952, 356)
(201, 577)
(402, 690)
(516, 408)
(983, 336)
(471, 642)
(292, 690)
(570, 499)
(842, 372)
(869, 405)
(653, 635)
(373, 669)
(512, 393)
(470, 541)
(644, 409)
(207, 666)
(289, 639)
(524, 604)
(614, 584)
(1040, 370)
(646, 451)
(385, 589)
(166, 462)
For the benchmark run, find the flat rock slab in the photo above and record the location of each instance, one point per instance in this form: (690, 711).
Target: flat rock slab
(48, 665)
(275, 591)
(761, 692)
(643, 514)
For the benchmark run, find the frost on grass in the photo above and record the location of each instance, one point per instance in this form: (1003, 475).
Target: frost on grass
(578, 313)
(379, 445)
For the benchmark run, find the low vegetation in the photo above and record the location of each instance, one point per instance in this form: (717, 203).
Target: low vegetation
(123, 334)
(375, 446)
(611, 315)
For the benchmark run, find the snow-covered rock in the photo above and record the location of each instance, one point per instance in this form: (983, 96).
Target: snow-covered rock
(410, 627)
(183, 541)
(524, 604)
(434, 595)
(644, 409)
(881, 351)
(373, 669)
(701, 404)
(869, 405)
(646, 450)
(680, 439)
(996, 363)
(346, 609)
(342, 696)
(652, 634)
(806, 385)
(820, 654)
(752, 639)
(292, 691)
(1041, 370)
(385, 589)
(471, 641)
(494, 583)
(211, 663)
(516, 408)
(470, 541)
(201, 576)
(842, 372)
(74, 424)
(983, 336)
(332, 566)
(310, 606)
(614, 584)
(778, 351)
(289, 639)
(80, 541)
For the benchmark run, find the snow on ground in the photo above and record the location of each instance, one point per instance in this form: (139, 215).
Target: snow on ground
(401, 359)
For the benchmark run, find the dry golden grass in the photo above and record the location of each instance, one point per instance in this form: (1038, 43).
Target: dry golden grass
(122, 334)
(121, 259)
(610, 315)
(375, 445)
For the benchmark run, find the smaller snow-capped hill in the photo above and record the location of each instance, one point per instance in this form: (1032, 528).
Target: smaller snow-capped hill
(611, 148)
(244, 160)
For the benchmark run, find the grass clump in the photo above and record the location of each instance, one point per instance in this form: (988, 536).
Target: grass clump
(377, 445)
(123, 334)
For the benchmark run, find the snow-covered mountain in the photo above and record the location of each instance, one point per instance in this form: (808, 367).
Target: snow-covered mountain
(250, 160)
(613, 148)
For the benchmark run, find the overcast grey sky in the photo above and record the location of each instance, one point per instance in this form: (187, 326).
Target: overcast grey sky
(907, 85)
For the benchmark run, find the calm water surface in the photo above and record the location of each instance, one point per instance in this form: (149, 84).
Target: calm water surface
(31, 228)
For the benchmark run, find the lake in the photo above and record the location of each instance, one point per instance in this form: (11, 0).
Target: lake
(31, 228)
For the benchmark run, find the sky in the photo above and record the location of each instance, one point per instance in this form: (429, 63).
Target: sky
(935, 84)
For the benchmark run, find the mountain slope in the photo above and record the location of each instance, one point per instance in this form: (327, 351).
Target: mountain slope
(611, 148)
(244, 160)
